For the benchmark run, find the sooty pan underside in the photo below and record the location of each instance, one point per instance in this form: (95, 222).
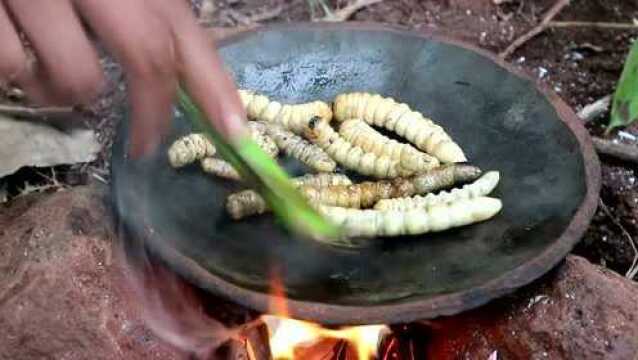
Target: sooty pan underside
(502, 121)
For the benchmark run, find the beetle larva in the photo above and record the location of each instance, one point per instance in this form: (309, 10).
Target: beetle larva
(350, 156)
(263, 140)
(366, 194)
(359, 133)
(398, 117)
(188, 149)
(481, 187)
(220, 168)
(249, 202)
(292, 117)
(196, 146)
(372, 223)
(297, 147)
(321, 180)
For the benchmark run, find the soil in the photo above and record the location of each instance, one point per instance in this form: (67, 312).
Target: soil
(581, 64)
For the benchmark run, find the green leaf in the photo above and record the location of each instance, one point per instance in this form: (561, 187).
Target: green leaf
(624, 108)
(264, 175)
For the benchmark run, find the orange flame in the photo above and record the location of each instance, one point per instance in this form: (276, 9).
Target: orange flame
(288, 334)
(279, 304)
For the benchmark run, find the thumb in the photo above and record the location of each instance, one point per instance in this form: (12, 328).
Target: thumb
(204, 77)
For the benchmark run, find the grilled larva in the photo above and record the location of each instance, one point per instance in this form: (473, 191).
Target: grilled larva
(249, 202)
(359, 133)
(220, 168)
(397, 117)
(188, 149)
(372, 223)
(296, 146)
(263, 140)
(196, 146)
(481, 187)
(293, 117)
(353, 157)
(366, 194)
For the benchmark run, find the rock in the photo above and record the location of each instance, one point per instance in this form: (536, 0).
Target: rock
(62, 293)
(581, 311)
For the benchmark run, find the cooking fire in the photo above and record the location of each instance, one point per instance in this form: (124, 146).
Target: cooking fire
(188, 318)
(277, 336)
(291, 339)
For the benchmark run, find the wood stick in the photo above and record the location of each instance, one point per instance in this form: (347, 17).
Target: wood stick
(618, 150)
(346, 12)
(595, 109)
(268, 14)
(551, 14)
(29, 112)
(257, 342)
(220, 33)
(245, 21)
(592, 24)
(252, 345)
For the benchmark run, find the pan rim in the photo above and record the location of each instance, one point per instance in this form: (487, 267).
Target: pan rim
(434, 306)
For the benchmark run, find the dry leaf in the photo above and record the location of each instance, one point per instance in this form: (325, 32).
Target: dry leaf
(25, 143)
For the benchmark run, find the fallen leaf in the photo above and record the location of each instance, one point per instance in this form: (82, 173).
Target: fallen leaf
(624, 108)
(25, 143)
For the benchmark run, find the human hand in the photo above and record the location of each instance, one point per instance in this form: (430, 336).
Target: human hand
(158, 43)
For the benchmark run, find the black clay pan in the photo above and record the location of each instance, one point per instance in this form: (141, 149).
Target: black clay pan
(550, 181)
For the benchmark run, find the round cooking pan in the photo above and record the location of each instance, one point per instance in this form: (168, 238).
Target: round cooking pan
(504, 121)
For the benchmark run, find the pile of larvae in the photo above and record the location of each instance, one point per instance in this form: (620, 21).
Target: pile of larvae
(402, 198)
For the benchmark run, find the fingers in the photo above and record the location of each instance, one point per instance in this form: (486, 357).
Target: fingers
(68, 65)
(151, 114)
(202, 71)
(142, 43)
(13, 59)
(15, 66)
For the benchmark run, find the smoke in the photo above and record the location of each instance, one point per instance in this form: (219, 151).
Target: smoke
(171, 308)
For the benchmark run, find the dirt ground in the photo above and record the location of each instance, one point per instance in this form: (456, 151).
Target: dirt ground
(582, 64)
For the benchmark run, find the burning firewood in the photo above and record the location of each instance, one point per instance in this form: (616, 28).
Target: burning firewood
(294, 339)
(250, 344)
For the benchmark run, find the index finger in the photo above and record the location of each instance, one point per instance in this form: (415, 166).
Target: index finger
(202, 72)
(141, 40)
